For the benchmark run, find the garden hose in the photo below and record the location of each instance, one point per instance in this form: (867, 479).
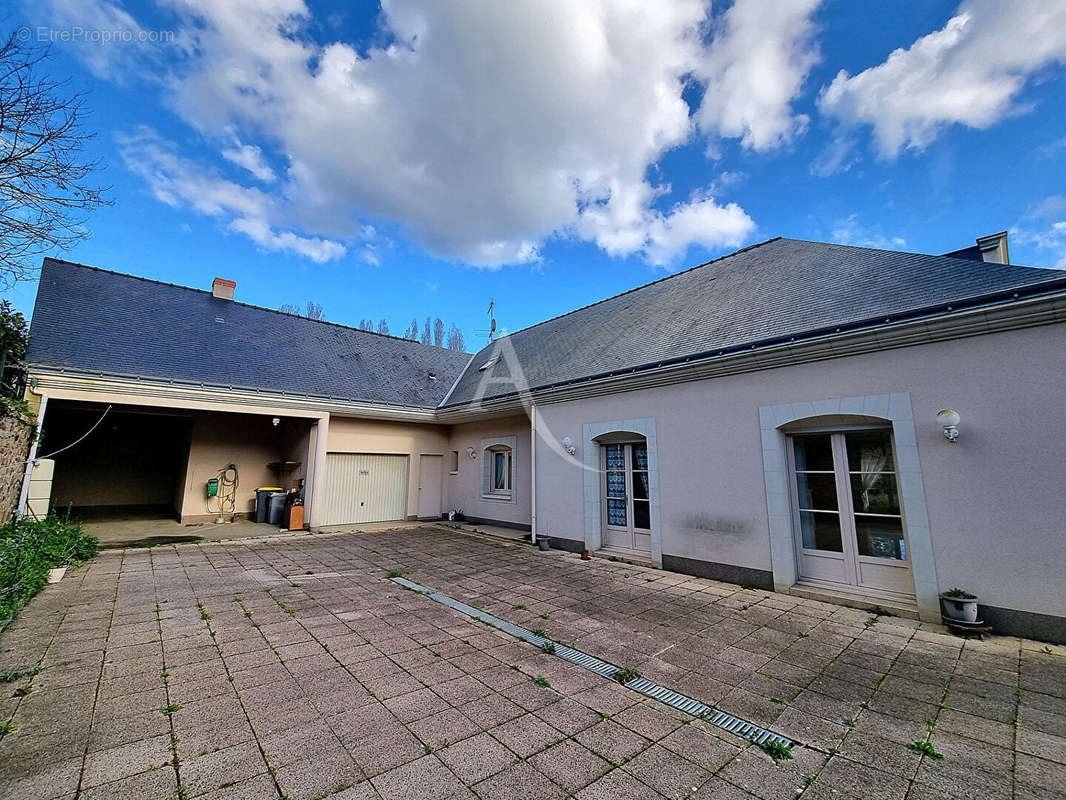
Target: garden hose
(227, 493)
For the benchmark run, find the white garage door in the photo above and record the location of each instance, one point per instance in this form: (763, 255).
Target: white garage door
(365, 487)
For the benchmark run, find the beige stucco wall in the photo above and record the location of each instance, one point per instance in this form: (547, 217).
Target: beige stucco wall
(464, 488)
(249, 441)
(994, 499)
(352, 435)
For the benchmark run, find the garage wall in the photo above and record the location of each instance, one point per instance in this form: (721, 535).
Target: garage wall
(352, 435)
(464, 487)
(250, 442)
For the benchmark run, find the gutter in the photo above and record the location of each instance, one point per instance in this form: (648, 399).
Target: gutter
(60, 381)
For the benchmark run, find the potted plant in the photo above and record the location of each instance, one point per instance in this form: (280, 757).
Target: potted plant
(959, 605)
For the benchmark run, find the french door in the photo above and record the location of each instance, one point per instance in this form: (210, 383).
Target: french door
(848, 519)
(626, 496)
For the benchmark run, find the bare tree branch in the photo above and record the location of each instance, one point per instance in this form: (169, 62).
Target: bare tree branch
(45, 191)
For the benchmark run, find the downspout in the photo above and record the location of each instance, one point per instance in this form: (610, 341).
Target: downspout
(25, 493)
(533, 473)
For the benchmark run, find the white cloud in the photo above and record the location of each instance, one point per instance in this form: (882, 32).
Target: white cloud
(700, 222)
(108, 40)
(250, 157)
(182, 183)
(851, 231)
(484, 129)
(969, 72)
(761, 54)
(1044, 226)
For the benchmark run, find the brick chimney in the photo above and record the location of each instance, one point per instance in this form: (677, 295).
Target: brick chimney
(223, 289)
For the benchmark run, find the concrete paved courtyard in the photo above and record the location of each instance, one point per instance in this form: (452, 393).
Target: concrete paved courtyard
(293, 667)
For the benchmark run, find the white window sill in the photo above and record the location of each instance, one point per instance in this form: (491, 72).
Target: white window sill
(501, 498)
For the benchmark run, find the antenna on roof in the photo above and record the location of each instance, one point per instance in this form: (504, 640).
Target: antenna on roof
(492, 322)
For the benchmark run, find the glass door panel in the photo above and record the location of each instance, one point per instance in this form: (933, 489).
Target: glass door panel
(875, 495)
(616, 486)
(816, 493)
(641, 496)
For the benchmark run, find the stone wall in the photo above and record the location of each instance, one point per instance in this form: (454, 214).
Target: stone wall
(15, 434)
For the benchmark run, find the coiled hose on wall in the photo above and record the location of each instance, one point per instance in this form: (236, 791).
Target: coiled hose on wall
(227, 493)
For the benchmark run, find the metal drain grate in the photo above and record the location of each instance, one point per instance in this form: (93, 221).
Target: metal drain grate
(648, 688)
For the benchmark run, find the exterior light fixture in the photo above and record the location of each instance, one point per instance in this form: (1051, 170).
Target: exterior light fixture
(276, 421)
(569, 446)
(949, 419)
(470, 452)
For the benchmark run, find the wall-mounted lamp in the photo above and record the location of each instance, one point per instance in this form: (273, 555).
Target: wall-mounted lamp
(276, 421)
(471, 452)
(949, 420)
(569, 446)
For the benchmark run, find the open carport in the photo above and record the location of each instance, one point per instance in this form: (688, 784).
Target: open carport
(122, 463)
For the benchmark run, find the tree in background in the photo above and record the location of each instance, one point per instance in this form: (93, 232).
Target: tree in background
(383, 327)
(455, 339)
(44, 172)
(311, 311)
(438, 332)
(412, 331)
(14, 334)
(366, 324)
(425, 333)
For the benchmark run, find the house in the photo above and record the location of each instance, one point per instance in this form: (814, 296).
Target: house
(769, 418)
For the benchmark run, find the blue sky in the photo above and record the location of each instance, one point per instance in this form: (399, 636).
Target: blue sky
(421, 158)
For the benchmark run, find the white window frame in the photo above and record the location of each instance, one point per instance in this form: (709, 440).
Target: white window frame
(490, 448)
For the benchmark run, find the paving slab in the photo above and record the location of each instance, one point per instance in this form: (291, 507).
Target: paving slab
(294, 666)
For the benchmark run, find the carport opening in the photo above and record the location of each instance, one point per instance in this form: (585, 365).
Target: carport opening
(149, 468)
(129, 467)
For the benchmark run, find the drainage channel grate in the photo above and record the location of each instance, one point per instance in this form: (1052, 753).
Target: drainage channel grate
(648, 688)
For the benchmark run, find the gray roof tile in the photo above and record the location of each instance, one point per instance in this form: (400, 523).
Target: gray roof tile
(777, 289)
(96, 320)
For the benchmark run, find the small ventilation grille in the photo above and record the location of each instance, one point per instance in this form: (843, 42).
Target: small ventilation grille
(648, 688)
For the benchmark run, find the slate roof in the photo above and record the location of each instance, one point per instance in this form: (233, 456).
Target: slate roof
(96, 320)
(774, 290)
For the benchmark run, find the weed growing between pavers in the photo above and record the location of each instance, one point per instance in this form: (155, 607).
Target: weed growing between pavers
(169, 709)
(540, 680)
(12, 675)
(926, 749)
(626, 674)
(776, 750)
(548, 648)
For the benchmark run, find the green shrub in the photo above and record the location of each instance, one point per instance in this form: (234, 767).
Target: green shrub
(28, 549)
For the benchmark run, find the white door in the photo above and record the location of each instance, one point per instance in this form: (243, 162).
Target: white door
(849, 522)
(626, 498)
(430, 475)
(365, 487)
